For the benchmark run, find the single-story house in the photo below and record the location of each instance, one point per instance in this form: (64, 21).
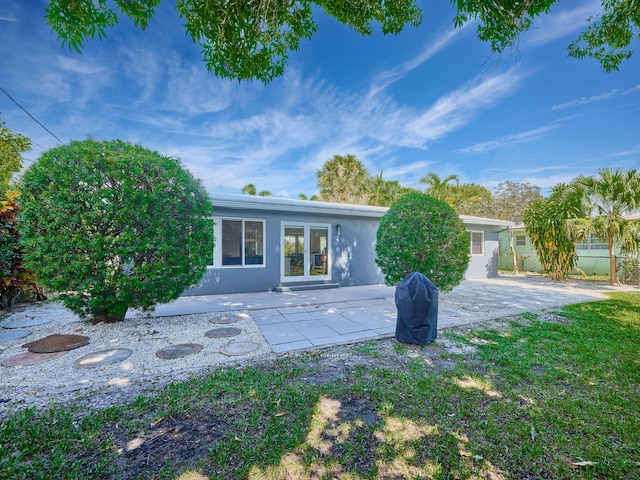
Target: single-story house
(266, 243)
(593, 254)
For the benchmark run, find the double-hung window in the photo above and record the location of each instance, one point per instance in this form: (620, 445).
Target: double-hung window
(240, 242)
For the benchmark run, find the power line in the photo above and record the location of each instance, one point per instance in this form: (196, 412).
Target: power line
(32, 117)
(25, 159)
(38, 145)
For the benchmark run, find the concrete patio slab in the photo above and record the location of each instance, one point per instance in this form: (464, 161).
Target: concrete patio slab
(292, 321)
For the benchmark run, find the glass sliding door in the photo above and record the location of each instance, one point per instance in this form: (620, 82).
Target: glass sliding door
(305, 252)
(318, 238)
(294, 257)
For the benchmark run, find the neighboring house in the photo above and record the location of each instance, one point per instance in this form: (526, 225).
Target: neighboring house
(593, 254)
(267, 243)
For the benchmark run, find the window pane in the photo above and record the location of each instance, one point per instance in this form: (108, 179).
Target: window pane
(318, 241)
(231, 242)
(476, 243)
(293, 251)
(521, 240)
(597, 243)
(253, 243)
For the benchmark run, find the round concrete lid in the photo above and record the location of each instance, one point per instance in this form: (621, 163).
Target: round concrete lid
(13, 335)
(26, 359)
(239, 348)
(103, 357)
(223, 332)
(57, 343)
(179, 350)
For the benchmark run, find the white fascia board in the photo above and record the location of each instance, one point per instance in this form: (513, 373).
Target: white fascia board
(256, 202)
(469, 220)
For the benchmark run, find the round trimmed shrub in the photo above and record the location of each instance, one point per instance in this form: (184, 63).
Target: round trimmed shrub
(112, 225)
(422, 234)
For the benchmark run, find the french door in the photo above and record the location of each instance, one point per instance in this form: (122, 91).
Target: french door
(305, 251)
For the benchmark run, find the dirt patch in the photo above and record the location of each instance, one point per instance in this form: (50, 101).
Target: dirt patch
(183, 439)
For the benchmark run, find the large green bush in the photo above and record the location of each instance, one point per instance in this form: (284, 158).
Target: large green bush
(112, 225)
(422, 234)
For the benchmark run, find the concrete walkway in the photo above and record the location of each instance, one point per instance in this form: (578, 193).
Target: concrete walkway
(292, 321)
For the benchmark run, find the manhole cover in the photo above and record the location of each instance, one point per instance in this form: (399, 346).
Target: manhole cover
(28, 323)
(223, 332)
(178, 351)
(57, 343)
(26, 359)
(239, 348)
(103, 357)
(231, 318)
(13, 334)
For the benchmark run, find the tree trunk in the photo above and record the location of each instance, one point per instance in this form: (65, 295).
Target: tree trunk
(110, 311)
(514, 257)
(613, 276)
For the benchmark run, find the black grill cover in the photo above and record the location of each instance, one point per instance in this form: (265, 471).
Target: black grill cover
(417, 304)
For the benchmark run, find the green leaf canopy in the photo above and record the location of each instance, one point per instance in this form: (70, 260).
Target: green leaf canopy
(113, 225)
(422, 234)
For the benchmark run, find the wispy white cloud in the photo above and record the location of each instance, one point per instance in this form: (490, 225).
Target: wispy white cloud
(79, 66)
(402, 170)
(9, 13)
(626, 153)
(559, 24)
(586, 100)
(192, 89)
(305, 123)
(387, 77)
(632, 90)
(458, 108)
(509, 140)
(144, 68)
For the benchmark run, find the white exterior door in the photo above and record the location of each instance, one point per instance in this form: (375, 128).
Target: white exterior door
(305, 251)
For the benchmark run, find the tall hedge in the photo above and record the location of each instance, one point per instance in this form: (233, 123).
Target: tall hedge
(422, 234)
(112, 225)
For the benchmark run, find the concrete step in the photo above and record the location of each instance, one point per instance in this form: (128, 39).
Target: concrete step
(305, 286)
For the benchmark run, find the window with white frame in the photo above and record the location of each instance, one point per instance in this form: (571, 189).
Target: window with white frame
(476, 242)
(240, 242)
(593, 243)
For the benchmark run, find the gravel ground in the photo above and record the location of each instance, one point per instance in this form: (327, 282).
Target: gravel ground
(59, 380)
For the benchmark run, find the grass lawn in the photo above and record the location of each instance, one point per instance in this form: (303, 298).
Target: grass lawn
(529, 397)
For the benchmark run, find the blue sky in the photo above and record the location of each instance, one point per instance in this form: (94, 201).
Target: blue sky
(431, 99)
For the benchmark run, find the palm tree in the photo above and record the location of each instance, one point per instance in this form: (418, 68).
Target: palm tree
(249, 189)
(385, 193)
(304, 196)
(546, 222)
(437, 188)
(608, 200)
(343, 179)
